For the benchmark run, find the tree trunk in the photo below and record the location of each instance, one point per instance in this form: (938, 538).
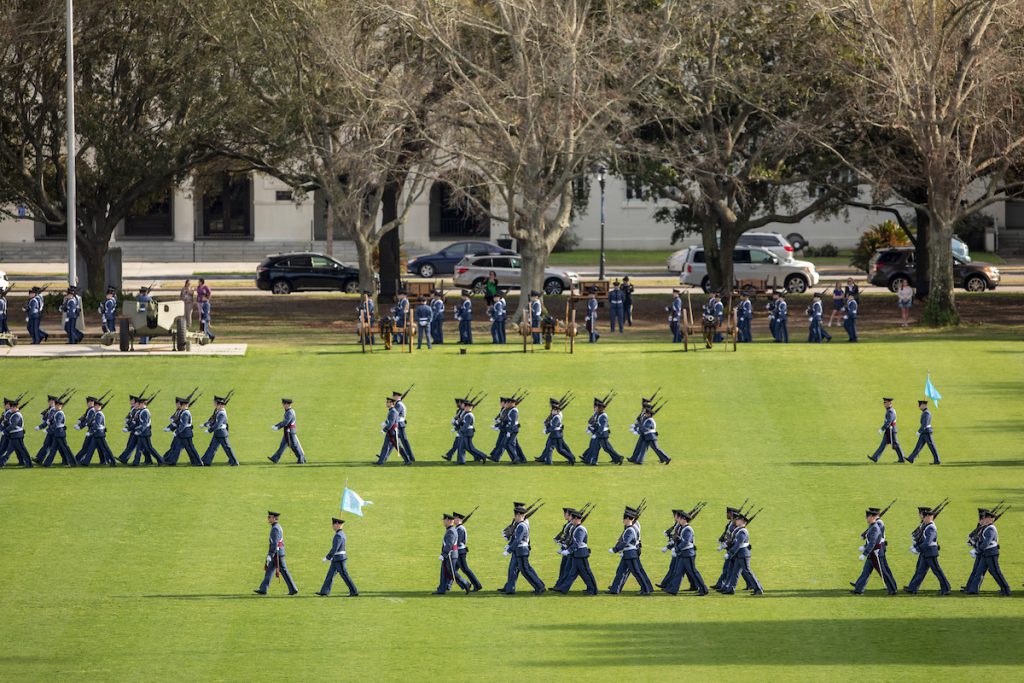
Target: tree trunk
(922, 266)
(364, 250)
(535, 253)
(93, 242)
(329, 225)
(940, 309)
(390, 245)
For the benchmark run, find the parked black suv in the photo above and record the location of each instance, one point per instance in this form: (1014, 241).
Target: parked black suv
(286, 273)
(888, 266)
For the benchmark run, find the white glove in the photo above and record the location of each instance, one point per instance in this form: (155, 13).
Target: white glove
(727, 556)
(880, 430)
(505, 554)
(38, 428)
(440, 558)
(611, 550)
(665, 533)
(861, 548)
(721, 547)
(324, 560)
(79, 427)
(167, 429)
(563, 553)
(124, 429)
(974, 553)
(665, 549)
(674, 553)
(268, 559)
(862, 557)
(274, 427)
(915, 550)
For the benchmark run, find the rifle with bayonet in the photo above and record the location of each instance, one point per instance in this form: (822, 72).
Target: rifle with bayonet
(466, 518)
(881, 514)
(407, 391)
(916, 534)
(725, 534)
(998, 511)
(562, 537)
(532, 508)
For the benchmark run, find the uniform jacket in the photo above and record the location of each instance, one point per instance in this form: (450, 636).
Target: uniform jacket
(47, 416)
(928, 542)
(602, 429)
(676, 309)
(450, 543)
(467, 425)
(424, 315)
(781, 310)
(512, 421)
(499, 310)
(988, 545)
(926, 422)
(465, 311)
(592, 308)
(337, 551)
(143, 423)
(461, 536)
(108, 308)
(740, 545)
(649, 429)
(816, 310)
(276, 546)
(890, 420)
(553, 425)
(615, 297)
(400, 409)
(685, 546)
(535, 313)
(851, 309)
(578, 542)
(86, 419)
(183, 425)
(401, 308)
(746, 310)
(873, 536)
(15, 426)
(98, 427)
(288, 423)
(391, 422)
(719, 310)
(219, 424)
(3, 308)
(437, 309)
(520, 544)
(58, 424)
(628, 544)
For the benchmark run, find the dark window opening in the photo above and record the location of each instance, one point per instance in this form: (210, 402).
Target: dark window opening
(155, 222)
(226, 209)
(455, 216)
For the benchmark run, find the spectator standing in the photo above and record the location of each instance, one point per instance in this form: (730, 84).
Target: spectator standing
(905, 299)
(838, 303)
(491, 287)
(188, 295)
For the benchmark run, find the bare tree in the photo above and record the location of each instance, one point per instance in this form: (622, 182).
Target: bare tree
(334, 98)
(143, 116)
(539, 88)
(727, 133)
(944, 78)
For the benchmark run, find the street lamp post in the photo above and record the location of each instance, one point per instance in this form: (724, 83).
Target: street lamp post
(600, 182)
(70, 212)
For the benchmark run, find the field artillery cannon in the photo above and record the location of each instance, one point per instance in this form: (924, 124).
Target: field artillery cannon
(154, 319)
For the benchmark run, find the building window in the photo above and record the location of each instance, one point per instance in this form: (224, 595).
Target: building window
(225, 207)
(283, 195)
(155, 222)
(1014, 215)
(453, 215)
(636, 190)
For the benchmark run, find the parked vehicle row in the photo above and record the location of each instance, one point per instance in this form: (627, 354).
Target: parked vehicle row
(751, 263)
(888, 267)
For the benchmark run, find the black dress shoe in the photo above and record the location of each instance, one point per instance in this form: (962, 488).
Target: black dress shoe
(259, 592)
(540, 591)
(293, 592)
(323, 595)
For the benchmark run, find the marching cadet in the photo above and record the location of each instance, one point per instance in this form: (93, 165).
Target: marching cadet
(462, 537)
(217, 426)
(34, 315)
(14, 433)
(3, 430)
(744, 317)
(675, 315)
(635, 427)
(562, 539)
(365, 310)
(499, 314)
(781, 318)
(889, 433)
(579, 552)
(437, 317)
(449, 558)
(467, 429)
(129, 427)
(424, 315)
(402, 438)
(290, 439)
(108, 311)
(592, 316)
(57, 429)
(390, 430)
(599, 435)
(85, 422)
(275, 558)
(144, 433)
(464, 314)
(499, 426)
(510, 429)
(816, 333)
(616, 301)
(97, 439)
(648, 439)
(924, 435)
(986, 551)
(850, 316)
(738, 553)
(71, 307)
(456, 423)
(628, 546)
(338, 558)
(46, 416)
(723, 543)
(536, 313)
(554, 429)
(926, 547)
(181, 426)
(400, 311)
(873, 554)
(770, 307)
(519, 549)
(684, 555)
(627, 300)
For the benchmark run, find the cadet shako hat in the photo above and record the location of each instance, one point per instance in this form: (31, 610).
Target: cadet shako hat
(534, 292)
(35, 290)
(335, 520)
(465, 292)
(740, 515)
(396, 394)
(817, 295)
(459, 515)
(446, 516)
(872, 511)
(924, 510)
(988, 513)
(567, 510)
(886, 398)
(732, 510)
(983, 512)
(49, 397)
(518, 505)
(576, 514)
(922, 403)
(179, 400)
(519, 510)
(287, 400)
(273, 514)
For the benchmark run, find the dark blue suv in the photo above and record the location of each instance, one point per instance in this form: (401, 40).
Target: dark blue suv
(443, 262)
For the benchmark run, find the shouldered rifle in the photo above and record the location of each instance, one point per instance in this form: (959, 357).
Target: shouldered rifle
(997, 512)
(881, 514)
(916, 533)
(149, 401)
(407, 391)
(533, 507)
(466, 518)
(563, 534)
(25, 404)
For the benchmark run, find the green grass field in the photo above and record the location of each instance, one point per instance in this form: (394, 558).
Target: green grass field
(147, 574)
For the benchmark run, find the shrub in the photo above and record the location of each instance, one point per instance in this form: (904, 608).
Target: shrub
(825, 250)
(567, 242)
(881, 236)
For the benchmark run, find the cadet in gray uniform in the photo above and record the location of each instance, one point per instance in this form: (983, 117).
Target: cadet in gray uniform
(290, 439)
(389, 427)
(536, 312)
(499, 314)
(129, 426)
(14, 431)
(562, 539)
(723, 542)
(510, 430)
(467, 428)
(464, 314)
(499, 426)
(579, 552)
(675, 314)
(437, 317)
(924, 435)
(519, 549)
(449, 557)
(889, 433)
(85, 422)
(599, 435)
(987, 549)
(181, 425)
(217, 425)
(873, 554)
(682, 544)
(275, 558)
(926, 547)
(424, 315)
(462, 537)
(628, 546)
(738, 553)
(616, 302)
(338, 558)
(456, 424)
(554, 429)
(46, 416)
(648, 439)
(144, 434)
(57, 429)
(402, 438)
(98, 438)
(744, 316)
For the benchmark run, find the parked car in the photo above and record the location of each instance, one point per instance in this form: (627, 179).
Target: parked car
(771, 241)
(677, 261)
(888, 266)
(751, 263)
(286, 273)
(471, 273)
(5, 284)
(443, 262)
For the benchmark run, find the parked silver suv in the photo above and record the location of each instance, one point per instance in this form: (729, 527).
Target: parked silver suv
(753, 264)
(471, 273)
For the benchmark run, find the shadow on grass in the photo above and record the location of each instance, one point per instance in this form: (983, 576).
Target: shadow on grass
(812, 642)
(984, 463)
(834, 463)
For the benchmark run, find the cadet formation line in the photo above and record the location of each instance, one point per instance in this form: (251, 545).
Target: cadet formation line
(573, 544)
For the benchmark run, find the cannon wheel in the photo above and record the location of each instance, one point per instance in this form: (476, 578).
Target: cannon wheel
(124, 334)
(180, 334)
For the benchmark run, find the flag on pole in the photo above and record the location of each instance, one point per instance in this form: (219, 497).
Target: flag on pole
(930, 391)
(351, 502)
